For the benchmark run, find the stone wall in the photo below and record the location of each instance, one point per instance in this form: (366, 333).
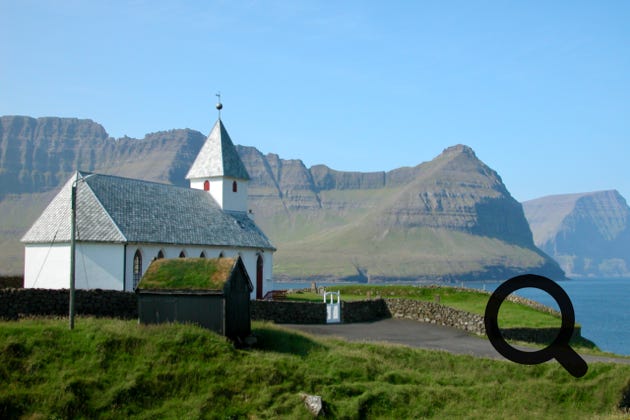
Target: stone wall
(16, 303)
(13, 282)
(364, 311)
(537, 335)
(435, 313)
(288, 312)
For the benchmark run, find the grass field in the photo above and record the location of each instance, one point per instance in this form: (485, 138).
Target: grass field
(118, 369)
(511, 315)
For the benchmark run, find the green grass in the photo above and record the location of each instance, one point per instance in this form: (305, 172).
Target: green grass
(511, 315)
(118, 369)
(187, 273)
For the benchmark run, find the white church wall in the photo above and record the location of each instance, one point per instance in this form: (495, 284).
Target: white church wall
(234, 201)
(47, 266)
(216, 187)
(150, 252)
(97, 266)
(221, 190)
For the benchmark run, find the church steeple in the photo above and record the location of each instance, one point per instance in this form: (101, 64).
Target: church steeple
(218, 169)
(218, 157)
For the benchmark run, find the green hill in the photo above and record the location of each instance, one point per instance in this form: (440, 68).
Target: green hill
(118, 369)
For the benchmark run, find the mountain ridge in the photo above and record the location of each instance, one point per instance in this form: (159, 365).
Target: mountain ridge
(451, 218)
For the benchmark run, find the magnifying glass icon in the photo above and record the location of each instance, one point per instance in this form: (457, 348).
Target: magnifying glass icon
(559, 349)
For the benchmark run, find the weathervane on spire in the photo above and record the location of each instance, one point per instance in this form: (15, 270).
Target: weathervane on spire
(219, 104)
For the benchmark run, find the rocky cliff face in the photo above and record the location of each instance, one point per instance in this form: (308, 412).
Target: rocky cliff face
(588, 234)
(451, 218)
(459, 192)
(38, 155)
(454, 191)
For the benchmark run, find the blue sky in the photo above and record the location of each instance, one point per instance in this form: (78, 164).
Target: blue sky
(540, 90)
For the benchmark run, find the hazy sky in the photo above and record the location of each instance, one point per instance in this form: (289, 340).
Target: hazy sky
(540, 90)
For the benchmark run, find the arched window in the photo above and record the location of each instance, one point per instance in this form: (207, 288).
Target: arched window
(182, 254)
(160, 255)
(206, 185)
(234, 187)
(202, 255)
(137, 268)
(221, 254)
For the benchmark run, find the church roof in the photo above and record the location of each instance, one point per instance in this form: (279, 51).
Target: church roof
(218, 157)
(115, 209)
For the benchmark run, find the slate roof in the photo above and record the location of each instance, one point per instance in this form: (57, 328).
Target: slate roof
(218, 157)
(115, 209)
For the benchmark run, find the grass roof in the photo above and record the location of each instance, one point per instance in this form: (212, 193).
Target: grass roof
(187, 274)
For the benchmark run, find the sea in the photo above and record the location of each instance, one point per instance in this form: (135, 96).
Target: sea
(602, 306)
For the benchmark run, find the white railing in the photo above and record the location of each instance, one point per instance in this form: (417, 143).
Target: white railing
(333, 309)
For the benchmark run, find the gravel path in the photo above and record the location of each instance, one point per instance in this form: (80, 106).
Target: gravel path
(420, 335)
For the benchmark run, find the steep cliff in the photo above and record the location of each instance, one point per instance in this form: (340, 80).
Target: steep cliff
(588, 234)
(451, 218)
(37, 155)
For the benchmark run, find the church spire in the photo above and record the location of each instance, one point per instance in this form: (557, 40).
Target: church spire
(219, 170)
(218, 157)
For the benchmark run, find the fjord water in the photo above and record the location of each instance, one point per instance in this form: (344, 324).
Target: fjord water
(602, 307)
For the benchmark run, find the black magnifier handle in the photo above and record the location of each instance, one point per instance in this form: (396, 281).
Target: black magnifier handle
(571, 361)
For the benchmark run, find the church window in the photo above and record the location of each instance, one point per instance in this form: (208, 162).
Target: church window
(234, 187)
(182, 254)
(206, 185)
(160, 255)
(202, 255)
(137, 268)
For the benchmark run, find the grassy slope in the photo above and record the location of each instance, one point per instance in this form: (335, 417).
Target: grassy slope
(115, 369)
(348, 232)
(511, 315)
(398, 253)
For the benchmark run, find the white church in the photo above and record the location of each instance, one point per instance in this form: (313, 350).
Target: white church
(123, 224)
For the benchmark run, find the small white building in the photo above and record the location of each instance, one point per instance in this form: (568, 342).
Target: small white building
(123, 224)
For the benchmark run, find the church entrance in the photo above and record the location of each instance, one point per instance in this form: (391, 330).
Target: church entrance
(259, 277)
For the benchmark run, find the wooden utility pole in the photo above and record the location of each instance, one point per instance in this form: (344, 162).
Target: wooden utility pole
(73, 226)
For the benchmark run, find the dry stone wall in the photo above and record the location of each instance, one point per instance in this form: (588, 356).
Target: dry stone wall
(17, 303)
(288, 312)
(435, 313)
(364, 311)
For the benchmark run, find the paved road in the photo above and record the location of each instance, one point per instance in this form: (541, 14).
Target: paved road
(421, 335)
